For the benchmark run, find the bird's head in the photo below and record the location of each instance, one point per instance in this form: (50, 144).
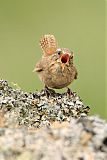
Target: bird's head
(65, 55)
(49, 46)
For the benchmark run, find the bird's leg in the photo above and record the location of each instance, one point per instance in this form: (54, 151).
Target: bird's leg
(69, 92)
(48, 91)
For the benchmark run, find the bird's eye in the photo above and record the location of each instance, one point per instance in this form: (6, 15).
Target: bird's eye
(59, 52)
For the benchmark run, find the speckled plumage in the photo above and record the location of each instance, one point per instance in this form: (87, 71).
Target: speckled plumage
(55, 69)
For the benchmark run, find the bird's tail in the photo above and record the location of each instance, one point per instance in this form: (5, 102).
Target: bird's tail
(48, 44)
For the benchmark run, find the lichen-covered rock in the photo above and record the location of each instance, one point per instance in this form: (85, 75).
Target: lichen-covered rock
(39, 108)
(81, 139)
(48, 126)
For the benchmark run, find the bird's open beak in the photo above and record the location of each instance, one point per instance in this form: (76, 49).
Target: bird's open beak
(65, 60)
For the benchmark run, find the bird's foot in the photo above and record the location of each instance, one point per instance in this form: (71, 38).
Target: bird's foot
(48, 91)
(69, 92)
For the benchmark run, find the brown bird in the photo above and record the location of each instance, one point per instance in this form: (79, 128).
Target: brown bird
(56, 68)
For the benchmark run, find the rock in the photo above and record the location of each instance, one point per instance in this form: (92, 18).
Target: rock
(38, 109)
(41, 126)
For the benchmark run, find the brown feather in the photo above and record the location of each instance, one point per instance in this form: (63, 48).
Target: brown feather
(48, 44)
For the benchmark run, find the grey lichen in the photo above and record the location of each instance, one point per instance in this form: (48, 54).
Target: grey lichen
(48, 126)
(83, 138)
(39, 108)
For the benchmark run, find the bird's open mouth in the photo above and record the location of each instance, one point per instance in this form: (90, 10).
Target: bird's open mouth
(65, 58)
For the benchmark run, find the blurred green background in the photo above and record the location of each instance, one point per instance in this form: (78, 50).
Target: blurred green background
(77, 24)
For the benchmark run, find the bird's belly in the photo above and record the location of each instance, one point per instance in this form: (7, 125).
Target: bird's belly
(58, 78)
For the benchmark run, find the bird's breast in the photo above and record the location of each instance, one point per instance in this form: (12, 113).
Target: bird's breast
(56, 77)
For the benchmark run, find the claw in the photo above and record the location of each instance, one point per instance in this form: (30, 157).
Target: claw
(48, 91)
(69, 92)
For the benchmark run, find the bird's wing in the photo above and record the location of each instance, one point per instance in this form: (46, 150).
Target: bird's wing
(48, 44)
(38, 67)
